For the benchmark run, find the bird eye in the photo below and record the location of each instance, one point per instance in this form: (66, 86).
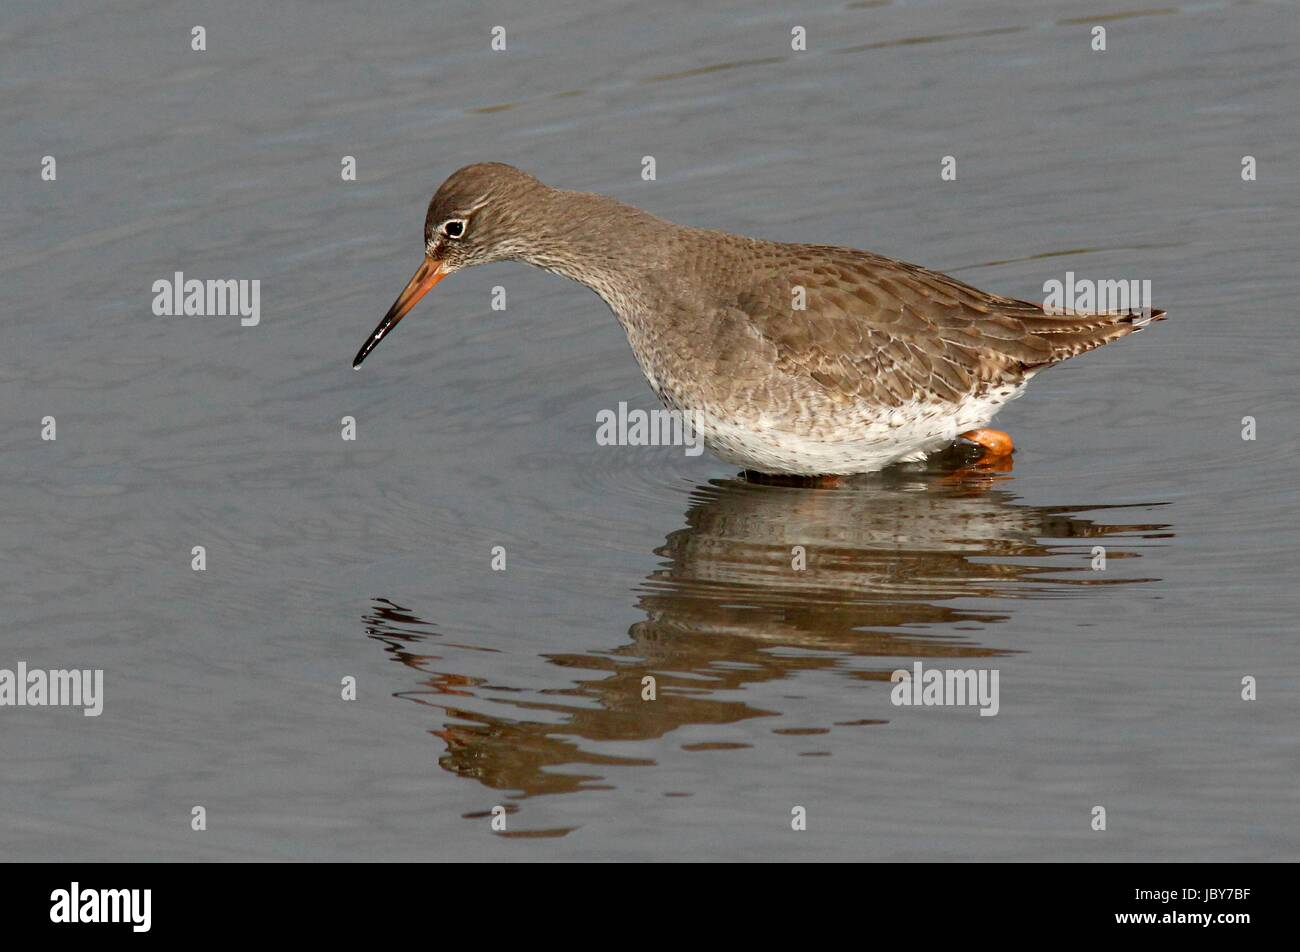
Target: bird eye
(454, 227)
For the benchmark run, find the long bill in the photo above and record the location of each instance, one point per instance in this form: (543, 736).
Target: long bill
(429, 274)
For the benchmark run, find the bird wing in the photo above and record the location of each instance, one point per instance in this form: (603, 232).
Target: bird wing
(889, 332)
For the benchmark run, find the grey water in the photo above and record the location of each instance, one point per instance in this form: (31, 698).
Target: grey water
(371, 559)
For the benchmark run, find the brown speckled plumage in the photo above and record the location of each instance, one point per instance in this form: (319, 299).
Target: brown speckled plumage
(887, 361)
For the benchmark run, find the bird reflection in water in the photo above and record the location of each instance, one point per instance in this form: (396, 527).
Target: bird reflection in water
(886, 560)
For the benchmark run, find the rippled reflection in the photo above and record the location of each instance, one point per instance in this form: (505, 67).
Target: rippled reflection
(886, 561)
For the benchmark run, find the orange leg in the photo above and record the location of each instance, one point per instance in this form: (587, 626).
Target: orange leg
(995, 443)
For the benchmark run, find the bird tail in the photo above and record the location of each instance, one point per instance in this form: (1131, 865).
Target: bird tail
(1069, 335)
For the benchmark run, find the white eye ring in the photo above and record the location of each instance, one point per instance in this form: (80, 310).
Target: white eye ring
(454, 227)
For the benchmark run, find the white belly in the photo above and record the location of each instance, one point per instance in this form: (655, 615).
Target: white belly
(893, 436)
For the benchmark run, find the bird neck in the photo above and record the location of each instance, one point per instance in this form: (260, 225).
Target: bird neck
(598, 241)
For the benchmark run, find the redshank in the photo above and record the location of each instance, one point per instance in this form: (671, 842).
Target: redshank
(794, 360)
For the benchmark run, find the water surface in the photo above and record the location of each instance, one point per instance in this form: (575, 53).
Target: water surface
(476, 428)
